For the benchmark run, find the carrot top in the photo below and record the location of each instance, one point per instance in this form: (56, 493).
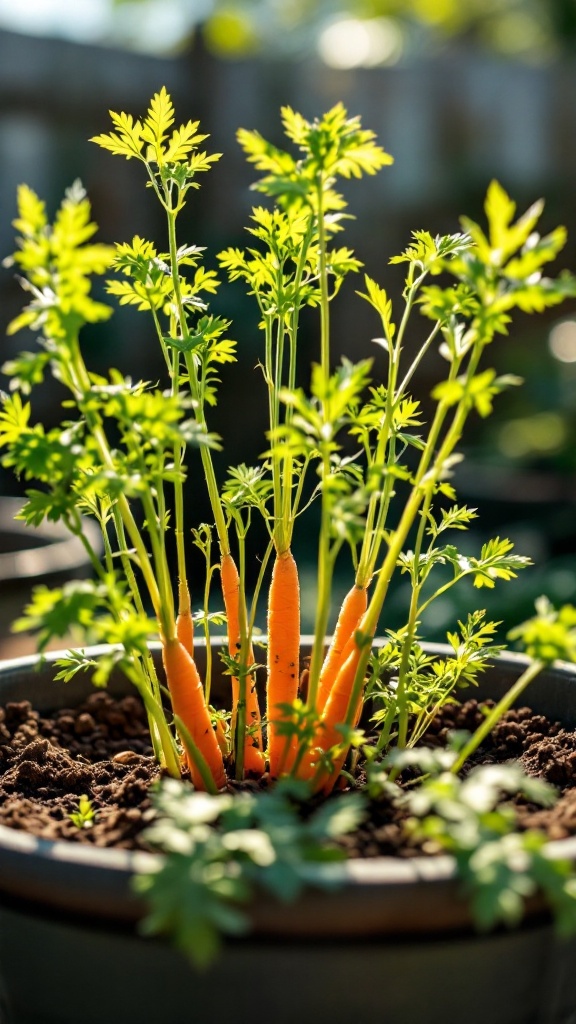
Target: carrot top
(347, 449)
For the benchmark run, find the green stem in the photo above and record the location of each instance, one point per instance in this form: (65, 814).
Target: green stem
(324, 564)
(282, 486)
(207, 464)
(151, 677)
(210, 569)
(290, 507)
(257, 589)
(156, 712)
(148, 669)
(240, 738)
(442, 590)
(496, 713)
(273, 415)
(81, 383)
(385, 457)
(374, 534)
(163, 345)
(75, 526)
(411, 631)
(196, 756)
(418, 358)
(425, 479)
(108, 556)
(156, 534)
(386, 730)
(183, 589)
(323, 276)
(325, 574)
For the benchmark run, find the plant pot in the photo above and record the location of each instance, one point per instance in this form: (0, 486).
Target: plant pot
(394, 943)
(48, 554)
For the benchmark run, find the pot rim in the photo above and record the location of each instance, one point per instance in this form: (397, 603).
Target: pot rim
(368, 871)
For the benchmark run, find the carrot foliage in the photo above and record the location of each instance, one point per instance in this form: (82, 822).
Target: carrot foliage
(346, 441)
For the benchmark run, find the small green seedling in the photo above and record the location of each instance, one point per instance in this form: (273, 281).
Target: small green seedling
(85, 816)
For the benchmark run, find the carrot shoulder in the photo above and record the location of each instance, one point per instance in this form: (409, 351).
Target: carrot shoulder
(283, 655)
(352, 609)
(184, 622)
(187, 695)
(254, 760)
(185, 630)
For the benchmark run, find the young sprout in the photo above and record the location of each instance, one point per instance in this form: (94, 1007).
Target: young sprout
(85, 816)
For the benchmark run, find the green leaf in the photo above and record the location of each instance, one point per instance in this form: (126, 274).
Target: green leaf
(536, 252)
(219, 850)
(429, 253)
(31, 218)
(550, 634)
(85, 815)
(53, 505)
(499, 867)
(26, 370)
(183, 141)
(449, 392)
(58, 265)
(337, 817)
(506, 238)
(127, 141)
(159, 119)
(72, 663)
(53, 613)
(14, 418)
(378, 298)
(496, 563)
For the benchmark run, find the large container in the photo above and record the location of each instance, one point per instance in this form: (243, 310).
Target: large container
(393, 945)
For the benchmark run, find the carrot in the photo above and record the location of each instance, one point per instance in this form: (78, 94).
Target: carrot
(283, 656)
(187, 695)
(184, 622)
(352, 609)
(185, 630)
(327, 734)
(254, 760)
(338, 762)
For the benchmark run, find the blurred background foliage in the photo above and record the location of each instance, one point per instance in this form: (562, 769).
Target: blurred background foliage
(459, 91)
(349, 33)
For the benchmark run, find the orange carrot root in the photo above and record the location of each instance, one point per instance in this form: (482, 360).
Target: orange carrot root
(327, 735)
(185, 631)
(331, 780)
(187, 695)
(254, 760)
(283, 656)
(352, 609)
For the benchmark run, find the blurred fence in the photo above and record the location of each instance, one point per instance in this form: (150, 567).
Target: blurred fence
(452, 122)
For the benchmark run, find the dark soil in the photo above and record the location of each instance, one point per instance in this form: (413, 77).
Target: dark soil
(544, 749)
(102, 750)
